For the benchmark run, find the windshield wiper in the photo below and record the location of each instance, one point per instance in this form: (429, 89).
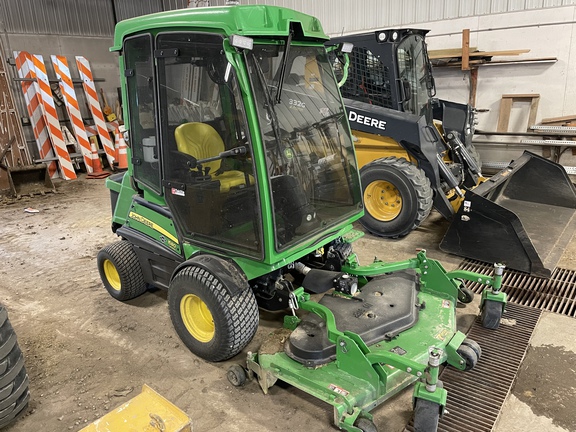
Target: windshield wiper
(430, 84)
(268, 97)
(283, 66)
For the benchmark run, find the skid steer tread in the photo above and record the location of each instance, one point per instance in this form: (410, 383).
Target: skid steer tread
(420, 187)
(14, 381)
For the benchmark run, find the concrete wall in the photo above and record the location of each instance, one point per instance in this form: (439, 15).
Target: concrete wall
(547, 33)
(104, 65)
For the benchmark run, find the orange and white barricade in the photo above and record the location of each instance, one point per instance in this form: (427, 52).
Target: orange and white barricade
(66, 167)
(69, 95)
(95, 110)
(25, 69)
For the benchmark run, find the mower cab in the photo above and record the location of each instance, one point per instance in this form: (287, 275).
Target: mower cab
(241, 192)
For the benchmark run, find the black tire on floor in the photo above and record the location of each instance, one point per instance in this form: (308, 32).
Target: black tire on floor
(365, 425)
(236, 375)
(14, 393)
(491, 314)
(120, 271)
(213, 309)
(465, 294)
(474, 345)
(469, 355)
(426, 416)
(397, 197)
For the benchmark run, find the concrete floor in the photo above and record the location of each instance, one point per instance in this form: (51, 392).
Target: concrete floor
(87, 353)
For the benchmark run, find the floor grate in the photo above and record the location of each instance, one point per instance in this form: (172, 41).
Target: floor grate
(556, 294)
(475, 397)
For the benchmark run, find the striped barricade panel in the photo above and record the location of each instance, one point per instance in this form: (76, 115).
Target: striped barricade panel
(54, 131)
(30, 89)
(69, 94)
(94, 104)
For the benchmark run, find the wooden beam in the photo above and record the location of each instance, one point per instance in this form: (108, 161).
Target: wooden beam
(564, 119)
(473, 86)
(465, 49)
(434, 56)
(506, 107)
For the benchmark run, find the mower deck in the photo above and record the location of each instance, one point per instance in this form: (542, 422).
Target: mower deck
(357, 386)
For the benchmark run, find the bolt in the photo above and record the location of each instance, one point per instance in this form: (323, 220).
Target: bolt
(342, 343)
(479, 279)
(418, 374)
(408, 369)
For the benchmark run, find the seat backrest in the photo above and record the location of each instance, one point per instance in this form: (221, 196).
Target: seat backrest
(201, 141)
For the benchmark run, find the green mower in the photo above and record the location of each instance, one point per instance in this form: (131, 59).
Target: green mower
(241, 192)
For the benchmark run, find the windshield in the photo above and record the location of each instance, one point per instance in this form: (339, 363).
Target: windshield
(309, 155)
(414, 74)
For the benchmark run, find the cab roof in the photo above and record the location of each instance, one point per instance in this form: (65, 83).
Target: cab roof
(245, 20)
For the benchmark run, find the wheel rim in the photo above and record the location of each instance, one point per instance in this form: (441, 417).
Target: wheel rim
(382, 200)
(197, 318)
(112, 275)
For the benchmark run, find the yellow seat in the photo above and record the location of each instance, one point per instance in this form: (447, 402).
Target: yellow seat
(201, 141)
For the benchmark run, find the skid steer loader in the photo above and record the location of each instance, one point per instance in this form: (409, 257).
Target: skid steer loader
(241, 192)
(415, 153)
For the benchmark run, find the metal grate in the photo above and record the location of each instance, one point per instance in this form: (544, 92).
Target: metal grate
(556, 294)
(475, 397)
(368, 78)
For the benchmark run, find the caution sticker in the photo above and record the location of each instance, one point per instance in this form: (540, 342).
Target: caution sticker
(338, 390)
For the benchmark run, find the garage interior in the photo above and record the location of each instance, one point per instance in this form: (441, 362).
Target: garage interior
(86, 354)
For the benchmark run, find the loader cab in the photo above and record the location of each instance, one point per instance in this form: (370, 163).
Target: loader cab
(246, 147)
(391, 69)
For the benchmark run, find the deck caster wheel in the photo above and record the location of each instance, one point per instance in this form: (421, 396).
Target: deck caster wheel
(236, 375)
(365, 425)
(491, 314)
(426, 416)
(474, 345)
(465, 295)
(469, 355)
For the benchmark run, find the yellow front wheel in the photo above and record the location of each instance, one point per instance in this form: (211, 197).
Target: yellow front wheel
(120, 271)
(383, 200)
(397, 197)
(212, 308)
(197, 318)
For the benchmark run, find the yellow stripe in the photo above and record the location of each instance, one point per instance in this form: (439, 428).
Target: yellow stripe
(155, 227)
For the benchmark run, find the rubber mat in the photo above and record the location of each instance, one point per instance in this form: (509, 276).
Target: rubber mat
(475, 397)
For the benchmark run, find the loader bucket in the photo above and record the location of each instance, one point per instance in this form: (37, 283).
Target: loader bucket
(523, 217)
(30, 180)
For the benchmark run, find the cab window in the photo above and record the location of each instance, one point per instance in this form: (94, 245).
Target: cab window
(210, 180)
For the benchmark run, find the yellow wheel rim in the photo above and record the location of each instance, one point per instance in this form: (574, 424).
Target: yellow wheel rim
(382, 200)
(112, 275)
(197, 318)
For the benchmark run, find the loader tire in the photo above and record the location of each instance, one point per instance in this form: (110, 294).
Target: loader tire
(14, 393)
(213, 320)
(120, 271)
(397, 197)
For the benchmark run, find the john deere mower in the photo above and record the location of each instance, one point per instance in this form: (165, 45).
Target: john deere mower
(241, 192)
(415, 153)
